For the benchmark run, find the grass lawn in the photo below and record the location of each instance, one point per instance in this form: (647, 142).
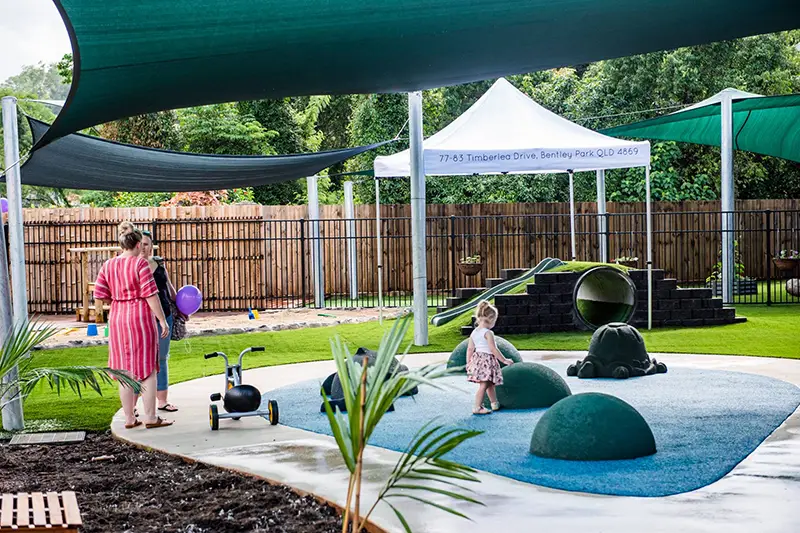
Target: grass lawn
(770, 332)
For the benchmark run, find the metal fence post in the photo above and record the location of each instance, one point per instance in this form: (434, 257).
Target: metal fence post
(453, 255)
(768, 214)
(302, 223)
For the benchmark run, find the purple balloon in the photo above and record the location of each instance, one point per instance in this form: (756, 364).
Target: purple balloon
(3, 205)
(189, 299)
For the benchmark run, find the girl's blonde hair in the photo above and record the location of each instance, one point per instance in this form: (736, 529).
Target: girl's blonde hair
(129, 236)
(485, 311)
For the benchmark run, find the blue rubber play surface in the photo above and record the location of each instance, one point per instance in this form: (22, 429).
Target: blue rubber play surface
(705, 422)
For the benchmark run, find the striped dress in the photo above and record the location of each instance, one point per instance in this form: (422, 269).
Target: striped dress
(133, 342)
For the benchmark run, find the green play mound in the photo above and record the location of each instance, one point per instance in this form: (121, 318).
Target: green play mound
(592, 427)
(459, 356)
(530, 386)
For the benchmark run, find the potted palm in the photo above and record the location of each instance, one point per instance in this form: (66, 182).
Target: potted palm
(786, 260)
(471, 265)
(18, 376)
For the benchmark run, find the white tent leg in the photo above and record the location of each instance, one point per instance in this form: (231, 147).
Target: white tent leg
(13, 416)
(572, 214)
(726, 197)
(649, 223)
(380, 247)
(602, 220)
(316, 243)
(418, 205)
(350, 235)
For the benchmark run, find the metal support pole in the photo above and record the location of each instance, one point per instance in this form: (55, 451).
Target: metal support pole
(379, 238)
(602, 221)
(350, 234)
(418, 205)
(649, 224)
(316, 242)
(572, 214)
(13, 417)
(726, 195)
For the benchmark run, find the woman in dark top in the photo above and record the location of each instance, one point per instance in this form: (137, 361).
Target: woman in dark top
(166, 294)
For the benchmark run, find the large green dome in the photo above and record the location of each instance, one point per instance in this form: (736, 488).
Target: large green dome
(592, 427)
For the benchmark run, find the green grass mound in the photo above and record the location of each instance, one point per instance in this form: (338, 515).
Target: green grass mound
(459, 356)
(531, 386)
(592, 427)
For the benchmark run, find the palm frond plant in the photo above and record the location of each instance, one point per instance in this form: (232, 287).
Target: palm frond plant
(16, 353)
(369, 391)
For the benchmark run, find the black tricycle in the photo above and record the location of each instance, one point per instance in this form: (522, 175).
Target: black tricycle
(240, 400)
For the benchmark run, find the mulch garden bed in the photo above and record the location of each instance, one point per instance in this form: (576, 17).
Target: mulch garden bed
(132, 490)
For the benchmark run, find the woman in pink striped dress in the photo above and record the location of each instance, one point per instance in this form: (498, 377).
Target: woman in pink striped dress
(127, 282)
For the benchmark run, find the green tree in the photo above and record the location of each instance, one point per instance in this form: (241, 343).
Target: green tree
(42, 81)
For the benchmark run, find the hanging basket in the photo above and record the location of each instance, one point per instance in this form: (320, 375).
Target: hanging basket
(470, 269)
(785, 263)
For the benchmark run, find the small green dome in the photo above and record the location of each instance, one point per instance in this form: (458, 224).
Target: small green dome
(459, 356)
(530, 386)
(592, 427)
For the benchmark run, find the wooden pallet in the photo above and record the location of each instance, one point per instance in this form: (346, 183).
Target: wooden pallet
(40, 512)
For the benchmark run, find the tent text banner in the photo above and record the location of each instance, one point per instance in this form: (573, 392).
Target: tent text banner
(534, 160)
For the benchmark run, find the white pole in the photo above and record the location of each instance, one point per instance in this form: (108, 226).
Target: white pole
(602, 220)
(13, 417)
(726, 190)
(350, 234)
(379, 238)
(316, 243)
(572, 214)
(418, 205)
(649, 223)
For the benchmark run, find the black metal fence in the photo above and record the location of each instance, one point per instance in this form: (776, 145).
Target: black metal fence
(256, 263)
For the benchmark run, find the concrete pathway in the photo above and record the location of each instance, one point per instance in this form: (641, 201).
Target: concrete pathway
(759, 496)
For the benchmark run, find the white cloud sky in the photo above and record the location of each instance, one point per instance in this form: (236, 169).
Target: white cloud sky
(30, 31)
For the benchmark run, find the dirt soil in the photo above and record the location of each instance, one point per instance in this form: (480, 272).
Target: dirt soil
(130, 490)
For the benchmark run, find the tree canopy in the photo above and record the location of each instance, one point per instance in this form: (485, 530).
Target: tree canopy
(597, 95)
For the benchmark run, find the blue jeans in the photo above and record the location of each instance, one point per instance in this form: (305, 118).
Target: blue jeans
(162, 379)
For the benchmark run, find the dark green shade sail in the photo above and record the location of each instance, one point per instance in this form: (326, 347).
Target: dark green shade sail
(138, 56)
(82, 162)
(767, 125)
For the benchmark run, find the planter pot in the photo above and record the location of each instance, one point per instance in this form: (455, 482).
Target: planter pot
(741, 287)
(470, 269)
(785, 263)
(629, 264)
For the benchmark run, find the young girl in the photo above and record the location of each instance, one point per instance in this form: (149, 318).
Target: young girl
(483, 358)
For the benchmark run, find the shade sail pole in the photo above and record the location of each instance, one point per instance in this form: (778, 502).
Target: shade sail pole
(378, 236)
(572, 214)
(649, 224)
(13, 417)
(316, 242)
(726, 196)
(350, 235)
(418, 204)
(602, 220)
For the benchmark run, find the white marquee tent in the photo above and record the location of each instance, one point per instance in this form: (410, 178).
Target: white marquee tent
(507, 132)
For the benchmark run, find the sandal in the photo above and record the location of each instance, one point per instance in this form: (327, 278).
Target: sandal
(496, 406)
(168, 407)
(134, 425)
(159, 423)
(481, 411)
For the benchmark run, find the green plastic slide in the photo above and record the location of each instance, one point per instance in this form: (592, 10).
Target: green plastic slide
(446, 316)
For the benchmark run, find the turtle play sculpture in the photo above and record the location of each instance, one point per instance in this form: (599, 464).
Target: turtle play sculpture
(616, 351)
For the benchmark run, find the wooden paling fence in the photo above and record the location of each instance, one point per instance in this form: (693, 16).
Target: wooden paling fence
(261, 256)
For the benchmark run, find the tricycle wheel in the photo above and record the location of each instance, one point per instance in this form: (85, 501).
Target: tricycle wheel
(273, 412)
(213, 417)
